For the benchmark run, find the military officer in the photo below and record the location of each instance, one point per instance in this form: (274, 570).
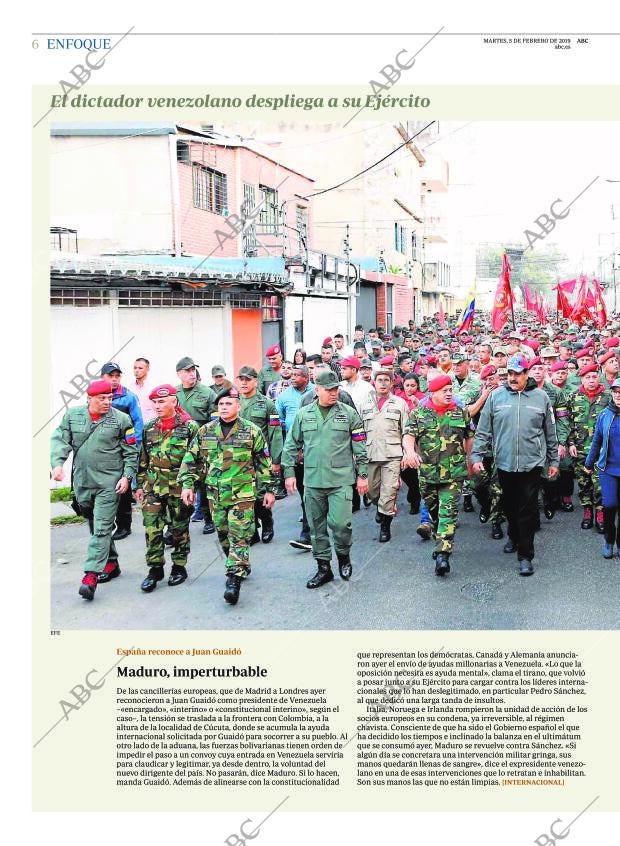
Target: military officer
(261, 411)
(466, 389)
(384, 418)
(164, 445)
(332, 438)
(105, 459)
(584, 406)
(232, 458)
(437, 443)
(199, 402)
(270, 373)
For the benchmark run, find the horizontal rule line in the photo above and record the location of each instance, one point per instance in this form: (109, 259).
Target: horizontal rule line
(356, 34)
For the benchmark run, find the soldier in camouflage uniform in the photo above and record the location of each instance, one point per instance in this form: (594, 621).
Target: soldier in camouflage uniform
(584, 406)
(231, 457)
(261, 411)
(166, 440)
(559, 379)
(466, 389)
(437, 441)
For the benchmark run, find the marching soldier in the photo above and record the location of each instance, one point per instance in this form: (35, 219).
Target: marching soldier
(230, 456)
(105, 459)
(261, 411)
(384, 417)
(437, 443)
(199, 402)
(165, 442)
(584, 406)
(332, 438)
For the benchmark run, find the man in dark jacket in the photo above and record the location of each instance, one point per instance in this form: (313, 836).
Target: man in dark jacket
(517, 421)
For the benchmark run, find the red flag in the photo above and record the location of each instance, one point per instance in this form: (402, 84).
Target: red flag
(529, 297)
(502, 304)
(600, 310)
(580, 313)
(568, 286)
(563, 304)
(442, 315)
(590, 301)
(541, 309)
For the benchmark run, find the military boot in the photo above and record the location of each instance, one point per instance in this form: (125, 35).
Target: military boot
(233, 586)
(155, 575)
(497, 533)
(378, 517)
(468, 505)
(267, 528)
(599, 521)
(567, 504)
(587, 521)
(177, 576)
(110, 571)
(442, 564)
(88, 586)
(385, 534)
(322, 576)
(345, 568)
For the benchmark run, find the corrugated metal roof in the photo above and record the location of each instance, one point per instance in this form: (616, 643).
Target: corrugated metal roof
(108, 128)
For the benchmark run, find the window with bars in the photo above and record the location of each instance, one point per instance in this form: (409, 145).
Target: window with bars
(272, 308)
(210, 189)
(268, 218)
(85, 297)
(301, 224)
(400, 238)
(248, 210)
(163, 298)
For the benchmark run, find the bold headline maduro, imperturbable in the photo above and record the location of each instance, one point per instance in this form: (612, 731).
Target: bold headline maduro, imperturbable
(191, 672)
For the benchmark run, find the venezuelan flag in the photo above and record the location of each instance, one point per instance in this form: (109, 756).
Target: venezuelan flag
(274, 420)
(130, 436)
(468, 316)
(358, 435)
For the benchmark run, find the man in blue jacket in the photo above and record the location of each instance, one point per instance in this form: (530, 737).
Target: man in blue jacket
(123, 400)
(605, 453)
(518, 423)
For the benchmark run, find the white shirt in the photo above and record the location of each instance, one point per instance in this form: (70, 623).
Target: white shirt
(142, 392)
(360, 392)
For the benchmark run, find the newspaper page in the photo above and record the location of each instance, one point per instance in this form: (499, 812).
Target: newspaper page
(326, 336)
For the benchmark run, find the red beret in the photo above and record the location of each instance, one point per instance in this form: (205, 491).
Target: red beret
(534, 361)
(612, 342)
(351, 361)
(583, 353)
(275, 350)
(609, 354)
(387, 360)
(431, 359)
(438, 383)
(558, 365)
(163, 391)
(487, 371)
(100, 386)
(532, 344)
(326, 342)
(589, 368)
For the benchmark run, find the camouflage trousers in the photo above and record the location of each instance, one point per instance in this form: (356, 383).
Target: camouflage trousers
(590, 494)
(157, 513)
(233, 519)
(486, 487)
(442, 502)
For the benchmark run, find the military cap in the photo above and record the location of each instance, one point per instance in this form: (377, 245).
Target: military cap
(327, 342)
(376, 344)
(246, 370)
(534, 361)
(500, 351)
(438, 383)
(365, 362)
(583, 353)
(110, 367)
(489, 370)
(99, 386)
(460, 357)
(350, 361)
(589, 368)
(231, 392)
(185, 363)
(558, 365)
(516, 335)
(388, 342)
(615, 385)
(326, 379)
(431, 360)
(612, 342)
(609, 354)
(398, 329)
(387, 361)
(533, 344)
(163, 391)
(218, 370)
(274, 350)
(548, 352)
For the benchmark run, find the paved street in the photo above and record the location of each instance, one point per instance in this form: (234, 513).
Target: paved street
(393, 585)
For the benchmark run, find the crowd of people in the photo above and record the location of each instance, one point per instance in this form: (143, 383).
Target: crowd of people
(511, 420)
